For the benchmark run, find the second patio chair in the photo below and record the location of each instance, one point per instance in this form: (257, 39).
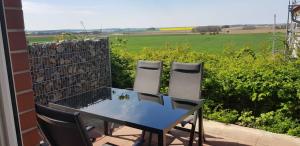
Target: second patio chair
(185, 83)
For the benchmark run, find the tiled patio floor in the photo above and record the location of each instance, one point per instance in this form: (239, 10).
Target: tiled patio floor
(217, 134)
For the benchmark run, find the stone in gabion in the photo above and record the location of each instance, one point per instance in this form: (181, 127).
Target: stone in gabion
(61, 70)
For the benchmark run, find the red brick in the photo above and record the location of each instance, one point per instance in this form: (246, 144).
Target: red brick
(20, 61)
(23, 81)
(12, 3)
(14, 19)
(17, 41)
(28, 120)
(31, 138)
(25, 101)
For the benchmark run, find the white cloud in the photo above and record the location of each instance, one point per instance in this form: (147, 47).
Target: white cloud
(39, 15)
(31, 7)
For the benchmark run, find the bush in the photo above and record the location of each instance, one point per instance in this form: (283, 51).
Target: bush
(246, 119)
(276, 122)
(241, 87)
(295, 131)
(121, 62)
(225, 116)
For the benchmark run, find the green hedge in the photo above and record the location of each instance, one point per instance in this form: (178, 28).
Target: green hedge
(241, 88)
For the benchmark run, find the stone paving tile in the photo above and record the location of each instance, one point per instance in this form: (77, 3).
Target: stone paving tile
(246, 135)
(250, 136)
(127, 136)
(271, 139)
(210, 127)
(216, 134)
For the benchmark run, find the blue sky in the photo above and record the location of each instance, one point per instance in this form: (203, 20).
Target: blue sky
(67, 14)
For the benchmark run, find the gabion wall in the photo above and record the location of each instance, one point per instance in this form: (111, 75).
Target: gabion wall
(62, 70)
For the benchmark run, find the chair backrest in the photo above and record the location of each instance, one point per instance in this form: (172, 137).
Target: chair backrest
(61, 128)
(185, 80)
(147, 78)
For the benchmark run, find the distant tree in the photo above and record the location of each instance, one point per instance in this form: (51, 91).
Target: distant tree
(280, 26)
(151, 29)
(207, 29)
(225, 26)
(68, 37)
(194, 29)
(249, 27)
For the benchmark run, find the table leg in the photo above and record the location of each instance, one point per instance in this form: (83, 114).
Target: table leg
(106, 128)
(200, 116)
(161, 139)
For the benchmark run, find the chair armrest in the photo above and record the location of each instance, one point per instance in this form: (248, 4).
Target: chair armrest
(89, 128)
(43, 143)
(188, 120)
(163, 94)
(129, 88)
(188, 101)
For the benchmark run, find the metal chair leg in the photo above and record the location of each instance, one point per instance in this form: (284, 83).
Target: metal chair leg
(204, 140)
(111, 129)
(150, 139)
(143, 134)
(140, 140)
(192, 134)
(200, 127)
(106, 131)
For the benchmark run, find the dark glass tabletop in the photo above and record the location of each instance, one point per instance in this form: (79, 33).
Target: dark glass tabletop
(126, 106)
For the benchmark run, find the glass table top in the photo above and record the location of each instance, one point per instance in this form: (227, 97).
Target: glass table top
(126, 106)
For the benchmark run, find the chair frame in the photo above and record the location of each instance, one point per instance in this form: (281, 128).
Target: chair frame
(158, 89)
(197, 114)
(61, 118)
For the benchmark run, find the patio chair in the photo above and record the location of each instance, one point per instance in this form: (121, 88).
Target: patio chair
(61, 128)
(147, 79)
(185, 83)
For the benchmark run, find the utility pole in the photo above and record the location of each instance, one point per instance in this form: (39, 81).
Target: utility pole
(82, 24)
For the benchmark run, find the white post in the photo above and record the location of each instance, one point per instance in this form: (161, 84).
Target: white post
(274, 35)
(8, 135)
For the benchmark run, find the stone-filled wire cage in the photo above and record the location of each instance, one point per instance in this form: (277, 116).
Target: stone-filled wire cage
(69, 68)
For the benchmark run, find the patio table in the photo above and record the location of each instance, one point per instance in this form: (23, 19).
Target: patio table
(153, 113)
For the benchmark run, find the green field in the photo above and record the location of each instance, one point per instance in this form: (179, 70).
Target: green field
(205, 43)
(40, 39)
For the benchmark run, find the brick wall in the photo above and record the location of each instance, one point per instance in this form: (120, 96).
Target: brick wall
(21, 72)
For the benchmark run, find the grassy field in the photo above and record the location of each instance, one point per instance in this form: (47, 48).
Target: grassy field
(204, 43)
(40, 39)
